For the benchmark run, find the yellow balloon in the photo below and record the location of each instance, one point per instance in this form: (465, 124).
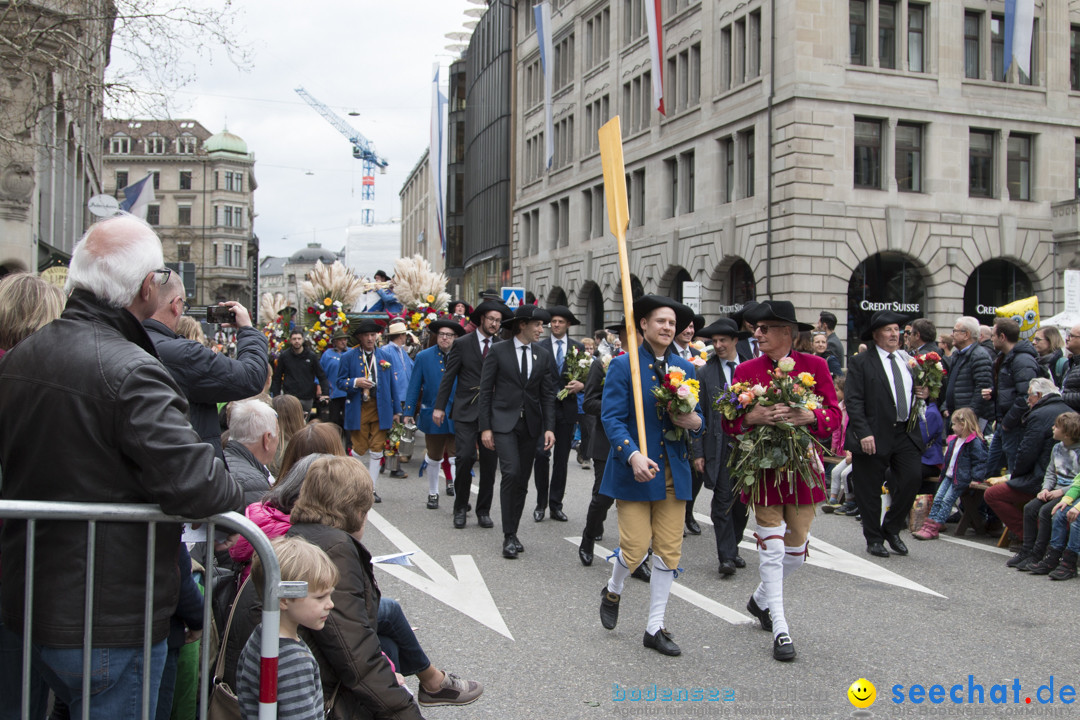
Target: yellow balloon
(1026, 314)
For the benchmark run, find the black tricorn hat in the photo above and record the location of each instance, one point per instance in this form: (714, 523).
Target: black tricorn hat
(738, 315)
(487, 306)
(647, 303)
(365, 326)
(563, 312)
(776, 310)
(882, 318)
(527, 312)
(723, 326)
(617, 328)
(448, 324)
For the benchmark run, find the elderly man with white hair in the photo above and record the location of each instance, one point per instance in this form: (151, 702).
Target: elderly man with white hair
(253, 441)
(970, 372)
(89, 414)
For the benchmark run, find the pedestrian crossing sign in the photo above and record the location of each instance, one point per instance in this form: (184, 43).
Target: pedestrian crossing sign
(514, 297)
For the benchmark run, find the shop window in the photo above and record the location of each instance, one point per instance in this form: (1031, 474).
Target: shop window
(741, 285)
(884, 281)
(993, 284)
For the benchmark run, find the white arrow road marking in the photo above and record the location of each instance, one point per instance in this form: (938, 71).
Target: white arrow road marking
(694, 598)
(467, 593)
(839, 560)
(975, 545)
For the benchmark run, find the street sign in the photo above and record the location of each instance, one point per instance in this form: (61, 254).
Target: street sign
(513, 297)
(103, 205)
(691, 295)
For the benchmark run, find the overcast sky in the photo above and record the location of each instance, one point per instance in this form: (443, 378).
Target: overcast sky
(368, 56)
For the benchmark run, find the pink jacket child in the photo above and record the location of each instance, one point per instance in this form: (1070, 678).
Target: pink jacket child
(271, 521)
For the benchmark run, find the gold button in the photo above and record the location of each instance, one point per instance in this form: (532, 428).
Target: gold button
(625, 442)
(650, 366)
(654, 377)
(618, 448)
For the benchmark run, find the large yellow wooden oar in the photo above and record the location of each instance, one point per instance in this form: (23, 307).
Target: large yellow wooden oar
(611, 157)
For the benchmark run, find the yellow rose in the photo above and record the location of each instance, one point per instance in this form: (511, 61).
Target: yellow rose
(430, 298)
(327, 301)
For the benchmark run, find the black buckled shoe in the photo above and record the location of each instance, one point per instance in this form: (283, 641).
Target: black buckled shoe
(661, 642)
(433, 502)
(609, 608)
(783, 649)
(763, 616)
(450, 489)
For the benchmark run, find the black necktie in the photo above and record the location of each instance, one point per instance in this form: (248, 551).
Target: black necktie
(730, 372)
(898, 387)
(524, 363)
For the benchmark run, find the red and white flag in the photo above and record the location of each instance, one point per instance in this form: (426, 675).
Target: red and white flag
(656, 46)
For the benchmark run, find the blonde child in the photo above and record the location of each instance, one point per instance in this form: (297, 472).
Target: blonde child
(300, 694)
(965, 463)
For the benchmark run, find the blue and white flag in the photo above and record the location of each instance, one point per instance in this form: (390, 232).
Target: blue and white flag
(437, 156)
(138, 196)
(547, 61)
(1019, 25)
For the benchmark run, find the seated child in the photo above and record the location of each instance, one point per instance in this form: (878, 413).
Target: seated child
(1064, 538)
(965, 463)
(1060, 471)
(299, 685)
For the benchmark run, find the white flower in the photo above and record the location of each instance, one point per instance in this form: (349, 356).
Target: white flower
(786, 365)
(758, 390)
(585, 362)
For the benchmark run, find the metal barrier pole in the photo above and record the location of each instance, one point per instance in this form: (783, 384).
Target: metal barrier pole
(93, 513)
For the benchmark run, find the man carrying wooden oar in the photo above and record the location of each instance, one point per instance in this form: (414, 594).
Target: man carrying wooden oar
(650, 489)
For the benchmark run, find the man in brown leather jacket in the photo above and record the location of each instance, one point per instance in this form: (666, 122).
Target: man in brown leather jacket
(89, 414)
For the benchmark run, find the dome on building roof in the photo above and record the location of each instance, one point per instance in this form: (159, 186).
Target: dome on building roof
(225, 141)
(313, 252)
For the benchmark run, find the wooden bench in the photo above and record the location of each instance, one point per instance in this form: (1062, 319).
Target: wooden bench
(972, 518)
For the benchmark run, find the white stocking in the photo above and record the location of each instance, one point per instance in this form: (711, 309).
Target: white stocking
(373, 467)
(659, 591)
(433, 471)
(619, 573)
(771, 554)
(453, 469)
(794, 557)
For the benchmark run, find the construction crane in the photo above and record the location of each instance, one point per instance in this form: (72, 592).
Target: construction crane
(363, 149)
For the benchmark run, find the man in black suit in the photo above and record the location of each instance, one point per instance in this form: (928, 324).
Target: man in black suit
(464, 364)
(559, 345)
(879, 397)
(727, 511)
(517, 406)
(924, 337)
(747, 346)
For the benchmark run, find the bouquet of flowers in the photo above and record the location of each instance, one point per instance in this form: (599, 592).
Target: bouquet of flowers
(420, 316)
(929, 372)
(788, 449)
(329, 318)
(275, 316)
(393, 439)
(577, 367)
(676, 395)
(700, 354)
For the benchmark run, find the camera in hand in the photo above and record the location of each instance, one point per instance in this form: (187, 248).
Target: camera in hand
(220, 314)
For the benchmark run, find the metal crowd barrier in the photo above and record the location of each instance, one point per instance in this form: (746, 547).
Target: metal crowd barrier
(92, 513)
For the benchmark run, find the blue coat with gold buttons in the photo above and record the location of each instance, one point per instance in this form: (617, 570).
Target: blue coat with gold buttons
(424, 388)
(620, 424)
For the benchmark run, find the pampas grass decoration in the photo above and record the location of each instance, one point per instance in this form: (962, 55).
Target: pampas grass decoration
(414, 281)
(336, 282)
(270, 307)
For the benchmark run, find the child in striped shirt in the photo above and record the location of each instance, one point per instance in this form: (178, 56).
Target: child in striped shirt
(299, 689)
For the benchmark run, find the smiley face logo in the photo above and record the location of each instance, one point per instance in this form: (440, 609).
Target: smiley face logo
(862, 693)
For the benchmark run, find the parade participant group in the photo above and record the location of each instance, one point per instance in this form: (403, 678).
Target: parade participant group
(475, 391)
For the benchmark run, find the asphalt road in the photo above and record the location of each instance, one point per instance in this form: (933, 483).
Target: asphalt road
(949, 614)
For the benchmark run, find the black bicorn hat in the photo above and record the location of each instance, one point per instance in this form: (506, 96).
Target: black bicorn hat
(776, 310)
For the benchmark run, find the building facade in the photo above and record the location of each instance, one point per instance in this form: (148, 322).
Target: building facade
(848, 156)
(204, 211)
(419, 229)
(54, 58)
